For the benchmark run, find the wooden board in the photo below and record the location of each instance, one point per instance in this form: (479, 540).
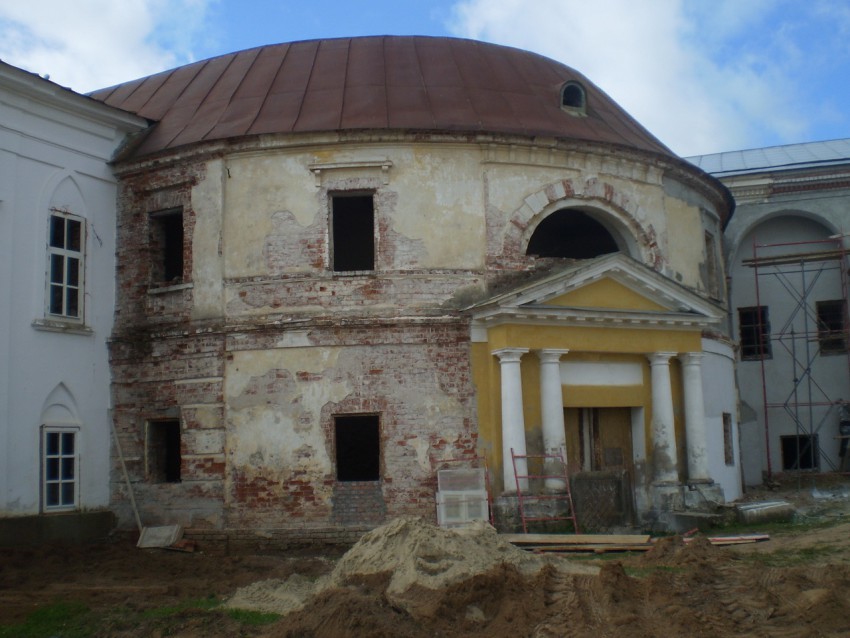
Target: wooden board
(576, 539)
(596, 549)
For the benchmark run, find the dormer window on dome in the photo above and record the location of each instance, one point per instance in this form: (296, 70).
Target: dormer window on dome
(574, 98)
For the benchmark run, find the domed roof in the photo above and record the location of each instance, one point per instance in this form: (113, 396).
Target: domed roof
(408, 83)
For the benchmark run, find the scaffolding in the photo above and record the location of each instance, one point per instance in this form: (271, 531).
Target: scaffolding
(802, 335)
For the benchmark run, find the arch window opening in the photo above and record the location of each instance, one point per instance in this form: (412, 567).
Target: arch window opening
(574, 98)
(571, 234)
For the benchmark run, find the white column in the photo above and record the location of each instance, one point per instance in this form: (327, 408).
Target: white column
(695, 417)
(552, 410)
(513, 423)
(663, 429)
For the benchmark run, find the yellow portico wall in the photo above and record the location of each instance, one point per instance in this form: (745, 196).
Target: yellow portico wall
(585, 344)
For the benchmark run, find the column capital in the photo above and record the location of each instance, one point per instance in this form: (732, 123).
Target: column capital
(551, 355)
(691, 358)
(660, 358)
(510, 355)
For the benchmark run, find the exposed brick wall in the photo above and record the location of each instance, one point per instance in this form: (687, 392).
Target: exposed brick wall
(384, 368)
(259, 452)
(140, 195)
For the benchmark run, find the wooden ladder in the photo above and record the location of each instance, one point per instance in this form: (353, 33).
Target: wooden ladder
(566, 496)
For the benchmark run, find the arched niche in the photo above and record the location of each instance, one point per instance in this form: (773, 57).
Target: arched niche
(60, 408)
(573, 234)
(64, 194)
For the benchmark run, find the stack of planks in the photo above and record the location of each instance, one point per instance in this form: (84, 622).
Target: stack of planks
(601, 543)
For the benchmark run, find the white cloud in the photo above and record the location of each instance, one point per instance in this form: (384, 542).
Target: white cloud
(89, 44)
(665, 61)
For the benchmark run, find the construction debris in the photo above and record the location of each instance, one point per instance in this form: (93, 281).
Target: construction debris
(602, 543)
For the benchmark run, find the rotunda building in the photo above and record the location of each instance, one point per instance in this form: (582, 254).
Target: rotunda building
(347, 266)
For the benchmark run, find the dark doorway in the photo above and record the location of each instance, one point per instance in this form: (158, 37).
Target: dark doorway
(164, 451)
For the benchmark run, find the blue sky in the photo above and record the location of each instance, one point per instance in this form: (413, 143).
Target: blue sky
(703, 75)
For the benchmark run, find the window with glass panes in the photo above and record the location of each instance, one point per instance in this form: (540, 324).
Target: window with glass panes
(60, 469)
(65, 266)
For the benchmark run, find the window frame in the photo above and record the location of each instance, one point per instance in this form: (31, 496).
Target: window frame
(800, 441)
(61, 480)
(353, 471)
(160, 248)
(758, 348)
(333, 231)
(574, 109)
(65, 254)
(832, 340)
(728, 440)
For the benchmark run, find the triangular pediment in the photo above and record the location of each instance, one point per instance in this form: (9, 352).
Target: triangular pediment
(609, 293)
(613, 288)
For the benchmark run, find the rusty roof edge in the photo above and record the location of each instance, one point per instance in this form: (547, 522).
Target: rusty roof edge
(686, 171)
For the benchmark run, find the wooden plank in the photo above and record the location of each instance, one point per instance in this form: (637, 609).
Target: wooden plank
(596, 549)
(575, 539)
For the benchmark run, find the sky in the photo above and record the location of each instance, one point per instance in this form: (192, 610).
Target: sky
(704, 76)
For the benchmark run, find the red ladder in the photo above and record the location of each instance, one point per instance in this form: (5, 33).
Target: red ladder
(556, 460)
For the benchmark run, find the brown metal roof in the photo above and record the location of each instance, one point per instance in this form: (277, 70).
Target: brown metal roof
(385, 82)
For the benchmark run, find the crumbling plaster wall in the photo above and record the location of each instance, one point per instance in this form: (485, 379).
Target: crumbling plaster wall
(262, 345)
(281, 402)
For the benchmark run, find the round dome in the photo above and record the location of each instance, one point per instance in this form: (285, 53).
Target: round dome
(407, 83)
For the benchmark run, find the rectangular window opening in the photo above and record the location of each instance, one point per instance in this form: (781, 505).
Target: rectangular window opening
(60, 467)
(163, 451)
(711, 266)
(728, 449)
(65, 265)
(166, 246)
(754, 330)
(352, 232)
(832, 326)
(800, 452)
(358, 447)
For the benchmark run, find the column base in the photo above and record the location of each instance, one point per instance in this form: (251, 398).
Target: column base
(703, 495)
(666, 496)
(679, 507)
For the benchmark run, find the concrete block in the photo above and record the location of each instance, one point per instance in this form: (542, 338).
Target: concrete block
(765, 512)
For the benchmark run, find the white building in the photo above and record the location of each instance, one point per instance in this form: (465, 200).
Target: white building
(785, 252)
(57, 274)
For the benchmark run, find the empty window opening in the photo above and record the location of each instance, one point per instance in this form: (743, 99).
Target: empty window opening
(754, 330)
(163, 451)
(728, 449)
(59, 469)
(352, 233)
(573, 97)
(800, 452)
(713, 282)
(358, 446)
(65, 265)
(571, 234)
(166, 239)
(832, 326)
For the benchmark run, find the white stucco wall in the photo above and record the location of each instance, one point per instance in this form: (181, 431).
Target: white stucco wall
(773, 223)
(721, 397)
(54, 145)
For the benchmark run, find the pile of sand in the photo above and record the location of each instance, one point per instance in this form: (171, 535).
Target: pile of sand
(413, 564)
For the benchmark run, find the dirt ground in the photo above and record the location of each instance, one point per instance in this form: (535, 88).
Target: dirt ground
(409, 579)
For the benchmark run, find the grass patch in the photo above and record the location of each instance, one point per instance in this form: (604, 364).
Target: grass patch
(649, 570)
(799, 525)
(58, 620)
(792, 557)
(202, 604)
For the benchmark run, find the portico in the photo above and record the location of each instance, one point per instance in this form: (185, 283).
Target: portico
(613, 389)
